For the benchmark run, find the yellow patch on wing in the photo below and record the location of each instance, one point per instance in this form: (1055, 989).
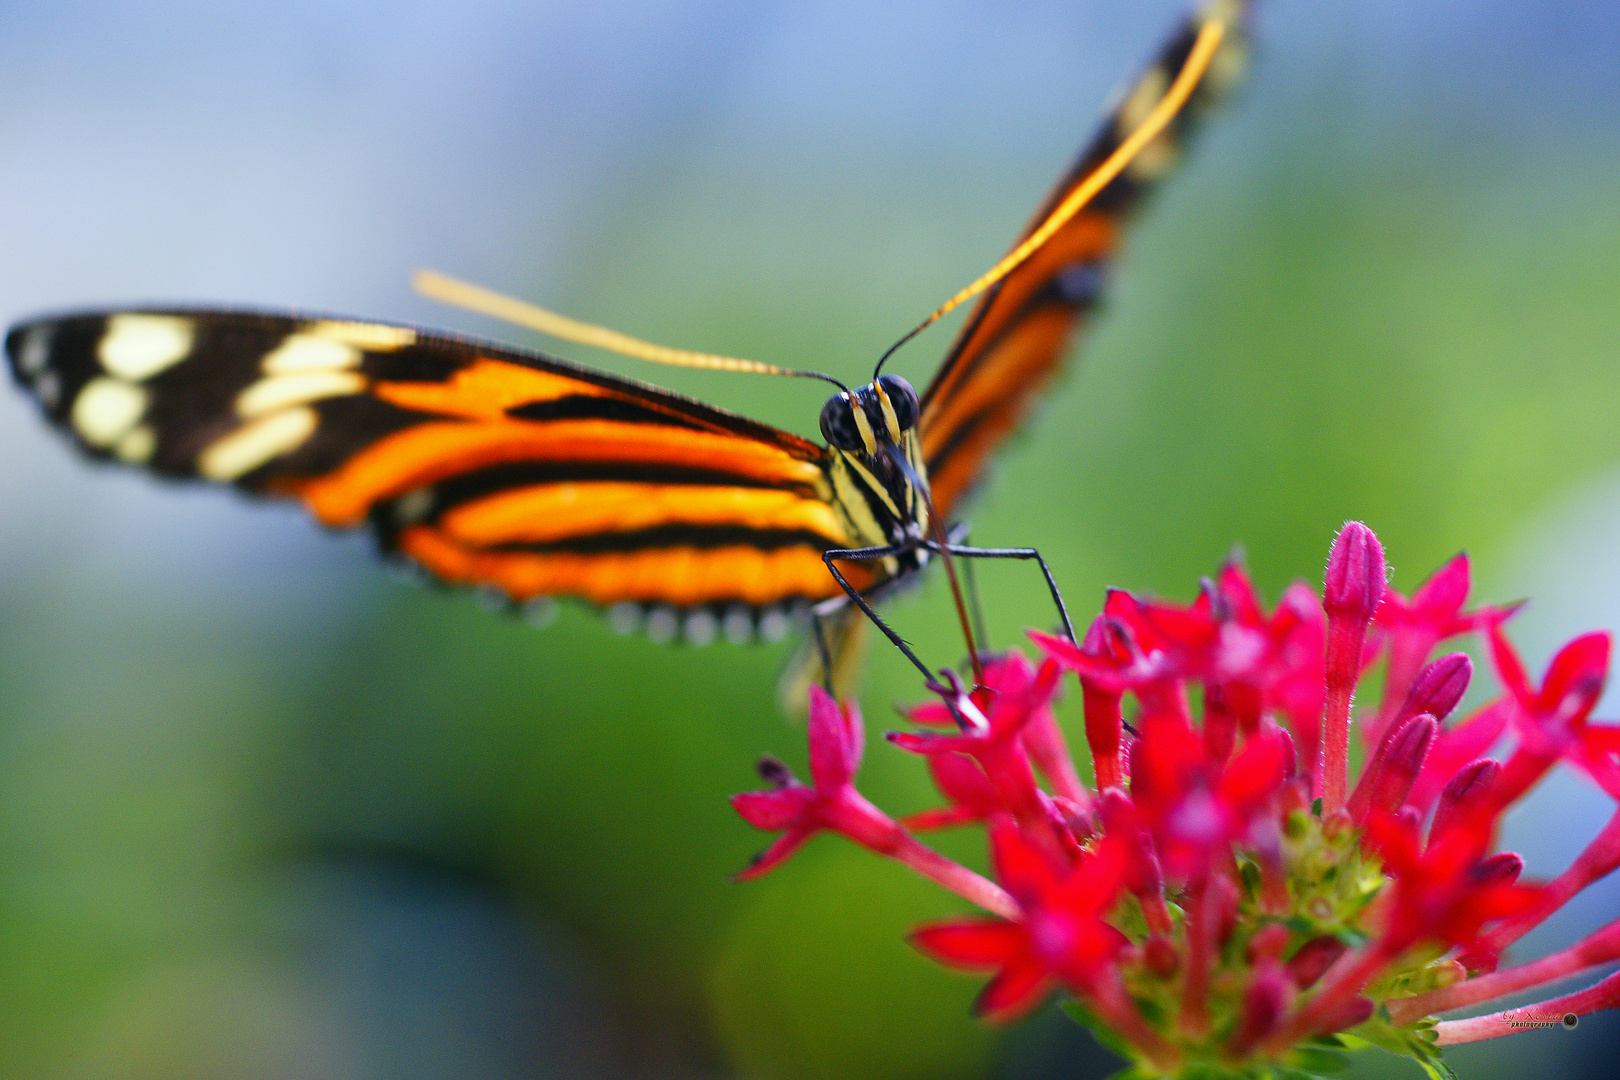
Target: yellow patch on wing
(372, 337)
(137, 445)
(107, 408)
(136, 347)
(256, 443)
(304, 353)
(543, 513)
(276, 392)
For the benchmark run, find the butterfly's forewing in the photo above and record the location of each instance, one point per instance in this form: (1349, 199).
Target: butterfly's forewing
(1013, 341)
(486, 465)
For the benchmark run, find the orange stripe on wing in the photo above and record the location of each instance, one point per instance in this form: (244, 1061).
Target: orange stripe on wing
(543, 513)
(1087, 238)
(432, 451)
(681, 576)
(485, 389)
(1010, 376)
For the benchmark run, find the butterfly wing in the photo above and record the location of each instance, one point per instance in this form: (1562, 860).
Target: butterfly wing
(1014, 339)
(484, 464)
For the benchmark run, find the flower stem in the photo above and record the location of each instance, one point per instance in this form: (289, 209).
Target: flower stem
(957, 878)
(1334, 780)
(1601, 995)
(1596, 948)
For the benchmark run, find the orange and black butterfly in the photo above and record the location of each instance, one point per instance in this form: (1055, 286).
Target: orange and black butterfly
(502, 468)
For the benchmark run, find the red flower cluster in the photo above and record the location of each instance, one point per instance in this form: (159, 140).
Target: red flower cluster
(1223, 895)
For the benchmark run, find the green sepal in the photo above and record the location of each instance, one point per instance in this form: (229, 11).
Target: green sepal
(1317, 1059)
(1415, 1042)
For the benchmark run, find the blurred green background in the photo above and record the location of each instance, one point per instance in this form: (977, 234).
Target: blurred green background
(265, 812)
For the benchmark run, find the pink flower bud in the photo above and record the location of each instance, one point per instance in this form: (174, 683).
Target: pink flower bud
(1311, 959)
(1503, 868)
(1352, 589)
(1289, 756)
(1402, 762)
(1467, 792)
(1267, 998)
(1354, 583)
(1438, 687)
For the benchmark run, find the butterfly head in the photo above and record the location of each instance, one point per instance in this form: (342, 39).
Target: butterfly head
(865, 420)
(876, 460)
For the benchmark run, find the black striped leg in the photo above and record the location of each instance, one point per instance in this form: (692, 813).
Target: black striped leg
(854, 594)
(1015, 553)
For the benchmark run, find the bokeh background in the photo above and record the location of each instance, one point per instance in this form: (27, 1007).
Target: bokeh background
(267, 812)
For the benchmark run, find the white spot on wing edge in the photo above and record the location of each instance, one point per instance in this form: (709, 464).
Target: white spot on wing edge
(1141, 100)
(35, 350)
(279, 392)
(538, 611)
(662, 625)
(624, 618)
(48, 388)
(136, 347)
(700, 627)
(251, 445)
(302, 352)
(137, 445)
(1155, 159)
(738, 625)
(492, 598)
(107, 408)
(372, 337)
(773, 624)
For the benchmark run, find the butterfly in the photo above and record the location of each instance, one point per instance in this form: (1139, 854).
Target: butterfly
(534, 477)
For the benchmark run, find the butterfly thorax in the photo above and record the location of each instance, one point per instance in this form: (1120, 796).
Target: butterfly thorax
(875, 467)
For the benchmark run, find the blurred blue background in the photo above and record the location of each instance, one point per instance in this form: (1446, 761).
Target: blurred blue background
(266, 812)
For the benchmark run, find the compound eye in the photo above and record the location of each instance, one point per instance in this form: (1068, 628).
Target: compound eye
(903, 398)
(838, 424)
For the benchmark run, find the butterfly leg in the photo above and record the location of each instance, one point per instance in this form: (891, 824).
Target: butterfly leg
(826, 653)
(1018, 553)
(958, 535)
(860, 601)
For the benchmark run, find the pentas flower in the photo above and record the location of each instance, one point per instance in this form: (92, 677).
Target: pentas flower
(1229, 897)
